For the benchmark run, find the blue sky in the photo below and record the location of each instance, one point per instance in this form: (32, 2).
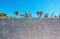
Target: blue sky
(47, 6)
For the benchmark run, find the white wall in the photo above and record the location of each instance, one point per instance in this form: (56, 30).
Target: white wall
(27, 28)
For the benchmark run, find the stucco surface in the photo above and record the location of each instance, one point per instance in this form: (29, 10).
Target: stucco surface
(30, 28)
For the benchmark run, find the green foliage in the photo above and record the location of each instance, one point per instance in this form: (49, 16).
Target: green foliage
(39, 13)
(30, 15)
(52, 14)
(16, 12)
(59, 15)
(4, 15)
(46, 15)
(26, 15)
(55, 16)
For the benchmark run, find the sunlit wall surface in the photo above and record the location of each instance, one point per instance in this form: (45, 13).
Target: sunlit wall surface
(30, 28)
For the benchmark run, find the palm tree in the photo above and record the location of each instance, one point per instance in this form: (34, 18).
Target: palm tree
(59, 15)
(30, 15)
(52, 14)
(16, 12)
(21, 15)
(46, 15)
(26, 15)
(39, 13)
(55, 16)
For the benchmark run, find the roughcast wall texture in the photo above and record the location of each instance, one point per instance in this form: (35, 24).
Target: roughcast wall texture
(29, 28)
